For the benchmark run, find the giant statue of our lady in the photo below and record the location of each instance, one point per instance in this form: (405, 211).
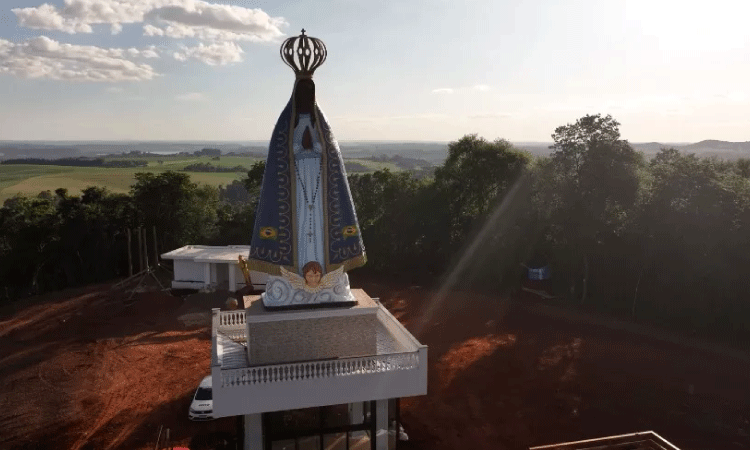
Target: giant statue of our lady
(306, 232)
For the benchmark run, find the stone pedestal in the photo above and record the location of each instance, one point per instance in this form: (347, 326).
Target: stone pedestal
(275, 337)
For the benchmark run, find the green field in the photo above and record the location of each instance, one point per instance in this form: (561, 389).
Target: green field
(179, 163)
(30, 180)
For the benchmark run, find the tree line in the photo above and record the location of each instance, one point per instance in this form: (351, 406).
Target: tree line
(80, 161)
(208, 167)
(665, 239)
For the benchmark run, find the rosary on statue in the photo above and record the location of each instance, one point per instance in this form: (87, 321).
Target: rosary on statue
(308, 201)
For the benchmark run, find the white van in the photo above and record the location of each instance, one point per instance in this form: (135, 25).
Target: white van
(202, 407)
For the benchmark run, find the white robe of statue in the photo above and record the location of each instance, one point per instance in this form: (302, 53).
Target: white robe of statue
(309, 196)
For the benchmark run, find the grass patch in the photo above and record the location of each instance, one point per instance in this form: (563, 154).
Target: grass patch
(30, 180)
(179, 163)
(375, 165)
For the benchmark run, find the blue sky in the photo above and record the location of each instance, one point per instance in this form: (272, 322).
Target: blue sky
(433, 70)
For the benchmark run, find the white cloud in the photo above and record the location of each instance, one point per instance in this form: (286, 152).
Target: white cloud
(150, 30)
(442, 91)
(482, 87)
(191, 97)
(210, 21)
(173, 18)
(150, 52)
(47, 17)
(213, 55)
(42, 57)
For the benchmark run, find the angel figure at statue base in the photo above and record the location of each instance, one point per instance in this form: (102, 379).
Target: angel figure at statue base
(291, 290)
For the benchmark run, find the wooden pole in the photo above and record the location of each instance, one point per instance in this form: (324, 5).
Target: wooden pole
(140, 251)
(158, 436)
(156, 252)
(130, 255)
(585, 277)
(145, 247)
(635, 296)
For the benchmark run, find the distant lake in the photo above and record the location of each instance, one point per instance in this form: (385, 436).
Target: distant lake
(151, 152)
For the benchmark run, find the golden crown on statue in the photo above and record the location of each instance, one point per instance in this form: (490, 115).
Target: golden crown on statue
(303, 54)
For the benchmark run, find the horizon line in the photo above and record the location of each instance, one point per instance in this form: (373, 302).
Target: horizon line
(229, 141)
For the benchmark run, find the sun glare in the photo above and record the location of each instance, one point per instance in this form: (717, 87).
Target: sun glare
(497, 223)
(682, 26)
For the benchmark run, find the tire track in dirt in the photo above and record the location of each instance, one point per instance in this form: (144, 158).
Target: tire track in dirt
(134, 376)
(80, 370)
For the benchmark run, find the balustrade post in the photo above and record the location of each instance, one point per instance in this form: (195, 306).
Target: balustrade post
(216, 376)
(214, 338)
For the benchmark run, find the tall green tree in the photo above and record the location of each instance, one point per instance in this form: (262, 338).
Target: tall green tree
(254, 178)
(476, 210)
(597, 182)
(182, 211)
(29, 233)
(695, 221)
(385, 202)
(475, 174)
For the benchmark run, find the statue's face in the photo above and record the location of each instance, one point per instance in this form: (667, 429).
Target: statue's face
(305, 96)
(312, 278)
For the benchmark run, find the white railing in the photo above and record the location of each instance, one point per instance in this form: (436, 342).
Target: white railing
(232, 324)
(232, 318)
(319, 369)
(236, 334)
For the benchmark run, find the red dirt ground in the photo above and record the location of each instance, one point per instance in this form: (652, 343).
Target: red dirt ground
(80, 370)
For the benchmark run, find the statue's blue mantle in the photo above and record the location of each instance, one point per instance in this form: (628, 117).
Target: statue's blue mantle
(274, 237)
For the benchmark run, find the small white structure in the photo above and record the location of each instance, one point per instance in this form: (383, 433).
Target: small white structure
(203, 266)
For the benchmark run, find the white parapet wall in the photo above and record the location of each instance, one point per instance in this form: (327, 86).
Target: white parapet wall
(302, 385)
(396, 368)
(203, 266)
